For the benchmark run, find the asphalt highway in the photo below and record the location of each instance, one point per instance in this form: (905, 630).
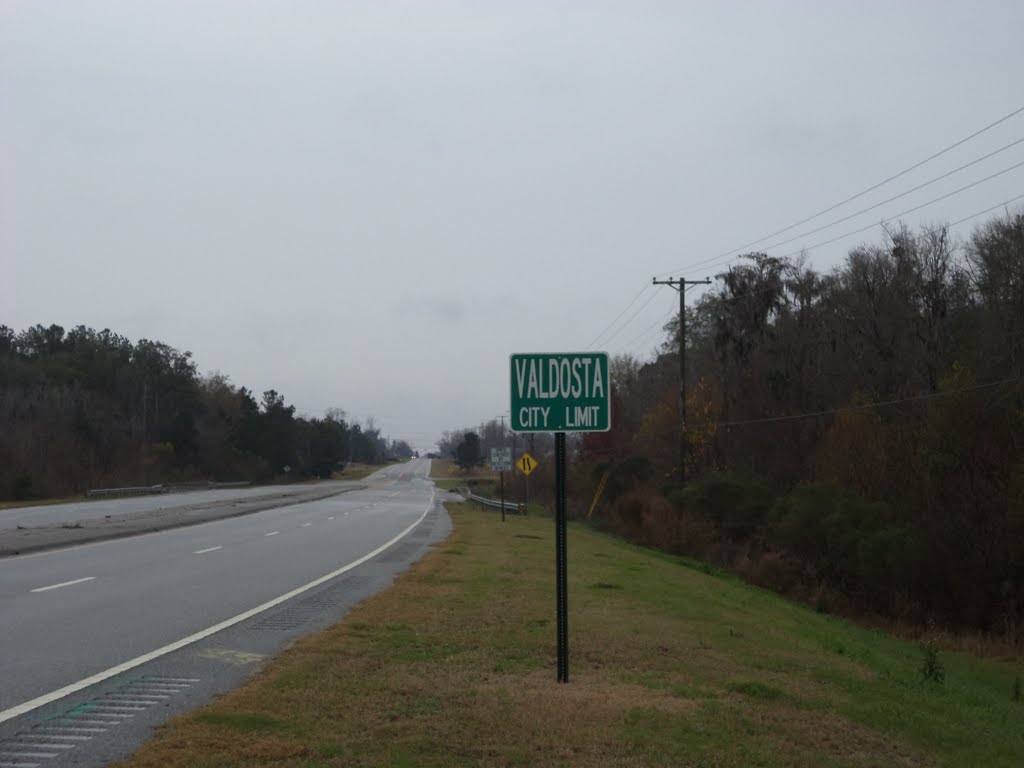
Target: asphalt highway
(74, 622)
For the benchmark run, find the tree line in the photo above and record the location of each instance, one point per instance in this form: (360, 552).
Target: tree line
(471, 447)
(856, 436)
(86, 408)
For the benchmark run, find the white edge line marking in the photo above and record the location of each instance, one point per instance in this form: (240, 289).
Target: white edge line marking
(208, 549)
(272, 533)
(62, 584)
(99, 677)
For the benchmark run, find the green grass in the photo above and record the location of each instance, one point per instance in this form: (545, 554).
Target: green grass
(41, 502)
(671, 664)
(242, 723)
(357, 471)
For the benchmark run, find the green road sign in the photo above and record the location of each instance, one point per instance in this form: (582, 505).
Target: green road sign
(567, 392)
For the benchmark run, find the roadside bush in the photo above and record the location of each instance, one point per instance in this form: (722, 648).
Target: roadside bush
(931, 669)
(23, 488)
(771, 570)
(736, 502)
(626, 475)
(647, 518)
(855, 545)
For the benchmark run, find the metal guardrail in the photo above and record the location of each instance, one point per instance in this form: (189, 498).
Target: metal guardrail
(510, 506)
(141, 490)
(145, 490)
(198, 485)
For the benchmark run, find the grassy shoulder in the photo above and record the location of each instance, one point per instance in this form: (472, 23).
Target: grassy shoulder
(480, 480)
(670, 665)
(356, 471)
(445, 474)
(449, 476)
(42, 502)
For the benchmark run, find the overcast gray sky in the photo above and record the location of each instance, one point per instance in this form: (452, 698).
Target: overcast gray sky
(370, 205)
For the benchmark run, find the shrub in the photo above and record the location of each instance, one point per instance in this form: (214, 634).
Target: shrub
(23, 490)
(736, 502)
(647, 518)
(931, 666)
(771, 570)
(855, 544)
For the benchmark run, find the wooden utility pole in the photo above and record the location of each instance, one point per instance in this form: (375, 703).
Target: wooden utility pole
(684, 442)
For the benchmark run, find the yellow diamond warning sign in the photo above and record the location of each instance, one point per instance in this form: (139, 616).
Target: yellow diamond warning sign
(526, 464)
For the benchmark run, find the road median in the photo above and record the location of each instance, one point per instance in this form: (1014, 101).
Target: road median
(26, 539)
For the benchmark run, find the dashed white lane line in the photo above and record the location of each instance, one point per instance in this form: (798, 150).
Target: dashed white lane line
(306, 525)
(99, 677)
(272, 533)
(63, 584)
(208, 549)
(330, 518)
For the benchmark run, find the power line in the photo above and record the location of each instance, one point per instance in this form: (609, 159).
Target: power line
(636, 314)
(872, 188)
(632, 317)
(665, 430)
(894, 197)
(659, 323)
(987, 210)
(935, 155)
(974, 215)
(770, 289)
(904, 213)
(884, 403)
(710, 262)
(613, 322)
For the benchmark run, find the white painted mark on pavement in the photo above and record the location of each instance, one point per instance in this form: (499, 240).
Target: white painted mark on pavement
(330, 518)
(306, 525)
(272, 533)
(67, 690)
(208, 549)
(63, 584)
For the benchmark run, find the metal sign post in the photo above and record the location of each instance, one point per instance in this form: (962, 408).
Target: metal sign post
(501, 460)
(561, 561)
(560, 393)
